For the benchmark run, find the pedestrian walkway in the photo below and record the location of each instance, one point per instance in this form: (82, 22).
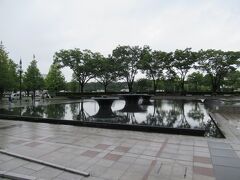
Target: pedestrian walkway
(115, 154)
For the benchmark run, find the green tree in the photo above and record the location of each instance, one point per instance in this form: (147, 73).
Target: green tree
(127, 59)
(232, 80)
(195, 80)
(80, 62)
(14, 78)
(55, 80)
(207, 85)
(154, 64)
(105, 70)
(182, 62)
(171, 82)
(32, 79)
(217, 64)
(72, 86)
(8, 72)
(3, 70)
(143, 84)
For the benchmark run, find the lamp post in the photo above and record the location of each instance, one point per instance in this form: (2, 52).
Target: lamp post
(20, 72)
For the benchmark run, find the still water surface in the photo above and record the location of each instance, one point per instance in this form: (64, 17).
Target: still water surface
(165, 113)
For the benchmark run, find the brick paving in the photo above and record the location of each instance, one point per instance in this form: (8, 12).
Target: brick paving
(116, 154)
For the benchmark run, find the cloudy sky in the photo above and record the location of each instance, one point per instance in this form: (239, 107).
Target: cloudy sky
(42, 27)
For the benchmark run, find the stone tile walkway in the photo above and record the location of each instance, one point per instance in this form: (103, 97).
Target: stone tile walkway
(116, 154)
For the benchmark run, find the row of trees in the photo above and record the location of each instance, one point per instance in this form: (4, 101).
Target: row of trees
(195, 82)
(32, 79)
(126, 61)
(163, 70)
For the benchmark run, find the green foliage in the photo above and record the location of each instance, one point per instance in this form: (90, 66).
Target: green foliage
(154, 64)
(195, 81)
(32, 79)
(72, 86)
(127, 58)
(55, 80)
(172, 83)
(13, 76)
(170, 69)
(3, 70)
(8, 72)
(105, 70)
(81, 63)
(232, 80)
(217, 64)
(143, 85)
(182, 62)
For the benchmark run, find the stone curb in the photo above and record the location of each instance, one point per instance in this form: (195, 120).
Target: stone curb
(82, 173)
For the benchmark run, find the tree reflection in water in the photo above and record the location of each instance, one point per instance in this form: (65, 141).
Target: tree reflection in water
(78, 112)
(212, 130)
(12, 111)
(162, 116)
(162, 113)
(197, 114)
(35, 111)
(183, 123)
(55, 111)
(172, 113)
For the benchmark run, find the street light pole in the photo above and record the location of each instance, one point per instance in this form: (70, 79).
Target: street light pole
(20, 71)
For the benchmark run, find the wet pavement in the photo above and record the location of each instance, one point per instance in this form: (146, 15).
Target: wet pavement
(117, 154)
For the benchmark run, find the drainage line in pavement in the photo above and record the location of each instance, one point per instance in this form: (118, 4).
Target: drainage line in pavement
(82, 173)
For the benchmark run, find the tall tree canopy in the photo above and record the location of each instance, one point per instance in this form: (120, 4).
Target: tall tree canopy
(182, 62)
(3, 69)
(127, 59)
(105, 70)
(8, 72)
(33, 79)
(154, 64)
(80, 62)
(217, 64)
(55, 80)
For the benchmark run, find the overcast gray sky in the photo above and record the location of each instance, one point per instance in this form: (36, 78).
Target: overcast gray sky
(42, 27)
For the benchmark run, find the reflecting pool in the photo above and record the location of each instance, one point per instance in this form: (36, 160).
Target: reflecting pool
(159, 113)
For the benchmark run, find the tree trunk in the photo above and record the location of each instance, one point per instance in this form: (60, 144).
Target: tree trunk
(182, 86)
(105, 88)
(214, 85)
(1, 93)
(34, 94)
(130, 86)
(81, 88)
(196, 86)
(214, 88)
(154, 86)
(81, 115)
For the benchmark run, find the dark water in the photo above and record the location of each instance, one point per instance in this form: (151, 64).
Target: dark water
(164, 113)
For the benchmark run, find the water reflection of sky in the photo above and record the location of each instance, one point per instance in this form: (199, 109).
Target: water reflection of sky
(164, 113)
(169, 113)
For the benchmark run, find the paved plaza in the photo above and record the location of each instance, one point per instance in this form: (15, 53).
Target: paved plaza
(117, 154)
